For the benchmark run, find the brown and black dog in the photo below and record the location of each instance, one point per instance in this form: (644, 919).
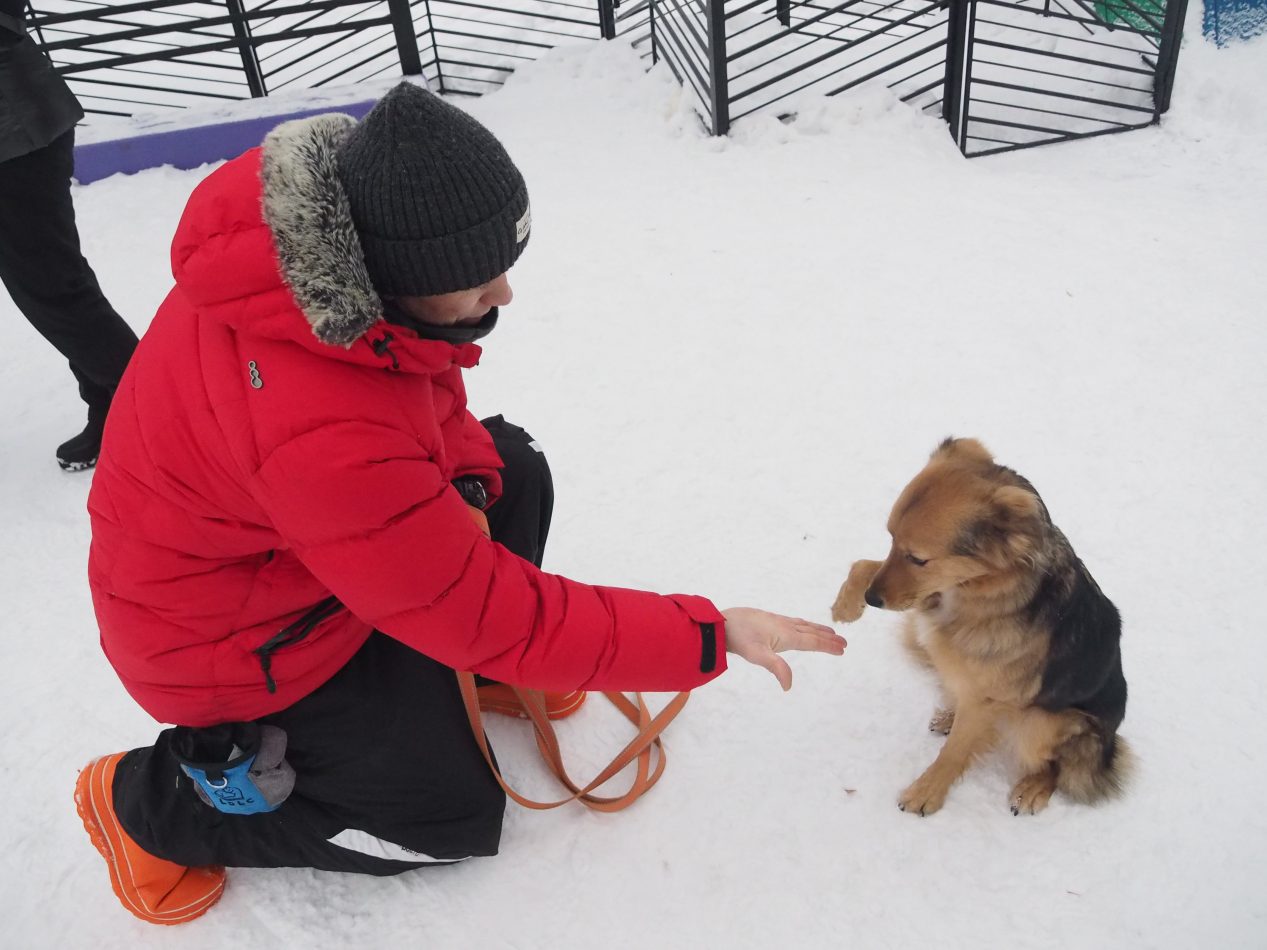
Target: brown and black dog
(1024, 643)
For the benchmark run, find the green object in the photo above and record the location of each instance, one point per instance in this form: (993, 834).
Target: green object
(1133, 13)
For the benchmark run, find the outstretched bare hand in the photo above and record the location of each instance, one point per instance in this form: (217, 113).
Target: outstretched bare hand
(760, 636)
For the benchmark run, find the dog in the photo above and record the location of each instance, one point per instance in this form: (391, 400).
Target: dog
(1025, 645)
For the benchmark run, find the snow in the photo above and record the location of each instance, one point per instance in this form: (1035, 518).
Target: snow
(736, 352)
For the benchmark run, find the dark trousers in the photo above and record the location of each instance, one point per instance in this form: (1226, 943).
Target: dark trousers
(46, 275)
(385, 763)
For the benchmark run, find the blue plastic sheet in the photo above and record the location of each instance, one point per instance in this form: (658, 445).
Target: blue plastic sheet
(1227, 21)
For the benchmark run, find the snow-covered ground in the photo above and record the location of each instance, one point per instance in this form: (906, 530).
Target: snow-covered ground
(736, 352)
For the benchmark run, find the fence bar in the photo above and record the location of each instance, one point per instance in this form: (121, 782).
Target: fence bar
(435, 46)
(607, 19)
(719, 82)
(1168, 57)
(406, 40)
(243, 15)
(1049, 54)
(177, 52)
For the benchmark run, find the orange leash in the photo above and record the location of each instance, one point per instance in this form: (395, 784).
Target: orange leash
(639, 748)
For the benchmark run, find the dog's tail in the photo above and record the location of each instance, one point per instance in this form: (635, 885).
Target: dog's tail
(1094, 765)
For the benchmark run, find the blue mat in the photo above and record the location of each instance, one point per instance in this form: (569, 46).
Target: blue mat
(187, 148)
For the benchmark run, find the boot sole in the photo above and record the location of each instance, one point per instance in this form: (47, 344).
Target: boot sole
(94, 824)
(76, 466)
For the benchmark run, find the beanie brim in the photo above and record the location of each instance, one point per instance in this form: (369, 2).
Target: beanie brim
(441, 265)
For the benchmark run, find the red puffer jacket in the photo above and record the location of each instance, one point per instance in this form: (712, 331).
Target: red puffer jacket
(275, 482)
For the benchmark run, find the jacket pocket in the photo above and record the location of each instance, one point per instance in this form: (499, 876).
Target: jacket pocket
(293, 633)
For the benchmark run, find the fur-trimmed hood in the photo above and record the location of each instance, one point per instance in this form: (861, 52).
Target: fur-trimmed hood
(308, 213)
(271, 232)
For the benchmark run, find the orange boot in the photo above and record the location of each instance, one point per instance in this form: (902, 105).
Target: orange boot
(500, 698)
(155, 890)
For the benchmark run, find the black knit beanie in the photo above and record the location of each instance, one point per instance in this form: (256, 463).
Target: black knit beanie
(438, 204)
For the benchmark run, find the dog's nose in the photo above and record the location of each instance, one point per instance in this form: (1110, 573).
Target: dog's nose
(874, 599)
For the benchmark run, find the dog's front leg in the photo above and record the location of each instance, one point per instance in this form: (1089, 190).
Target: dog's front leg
(971, 734)
(850, 601)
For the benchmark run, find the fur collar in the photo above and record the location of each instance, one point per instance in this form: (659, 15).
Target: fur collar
(307, 210)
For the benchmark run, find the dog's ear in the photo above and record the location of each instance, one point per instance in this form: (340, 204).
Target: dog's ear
(965, 449)
(1017, 515)
(1007, 531)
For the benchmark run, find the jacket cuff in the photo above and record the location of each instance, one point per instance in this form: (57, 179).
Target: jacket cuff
(712, 631)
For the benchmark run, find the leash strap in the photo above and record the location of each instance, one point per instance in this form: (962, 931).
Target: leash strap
(639, 748)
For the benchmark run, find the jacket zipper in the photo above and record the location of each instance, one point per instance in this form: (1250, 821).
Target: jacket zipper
(293, 633)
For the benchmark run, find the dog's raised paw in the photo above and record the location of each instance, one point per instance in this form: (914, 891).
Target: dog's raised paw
(847, 610)
(851, 601)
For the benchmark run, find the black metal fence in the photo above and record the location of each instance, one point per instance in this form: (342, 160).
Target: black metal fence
(1004, 74)
(1052, 70)
(758, 54)
(125, 58)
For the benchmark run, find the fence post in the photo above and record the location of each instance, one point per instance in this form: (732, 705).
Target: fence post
(783, 11)
(719, 82)
(655, 55)
(1168, 56)
(607, 18)
(406, 39)
(246, 48)
(435, 45)
(955, 96)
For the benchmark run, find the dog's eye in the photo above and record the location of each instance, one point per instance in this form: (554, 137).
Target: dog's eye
(917, 561)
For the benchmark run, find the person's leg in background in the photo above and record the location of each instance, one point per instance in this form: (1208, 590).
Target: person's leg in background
(54, 287)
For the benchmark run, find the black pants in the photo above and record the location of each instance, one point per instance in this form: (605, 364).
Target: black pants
(384, 758)
(46, 275)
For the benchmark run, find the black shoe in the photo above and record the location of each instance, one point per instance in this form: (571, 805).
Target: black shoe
(80, 452)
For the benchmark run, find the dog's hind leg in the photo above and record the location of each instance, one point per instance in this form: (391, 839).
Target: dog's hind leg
(1040, 740)
(850, 602)
(1032, 793)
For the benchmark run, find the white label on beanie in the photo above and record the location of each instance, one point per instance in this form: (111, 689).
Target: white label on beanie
(523, 225)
